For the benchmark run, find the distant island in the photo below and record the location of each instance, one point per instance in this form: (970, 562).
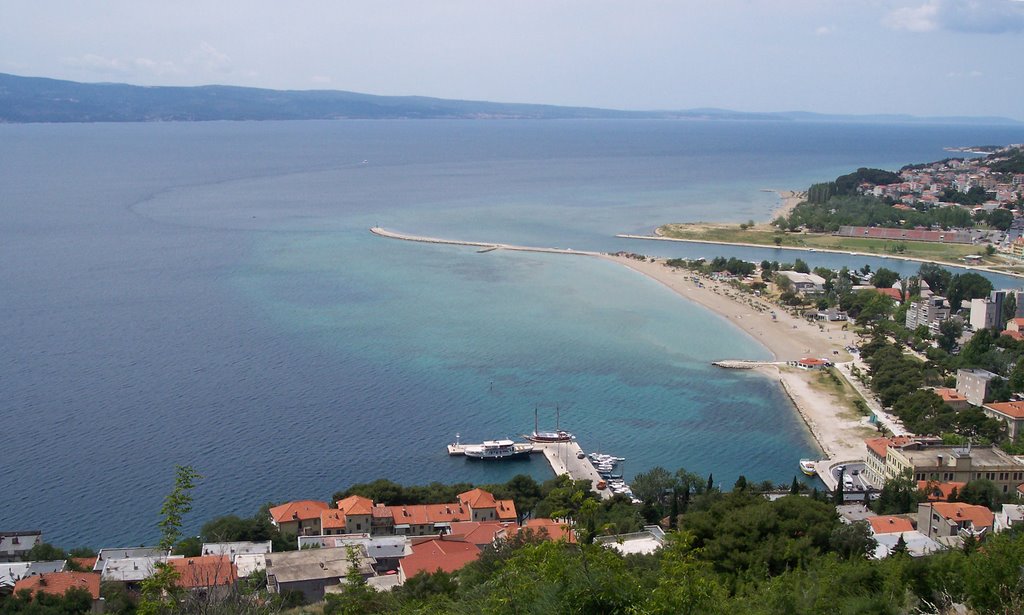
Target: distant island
(36, 99)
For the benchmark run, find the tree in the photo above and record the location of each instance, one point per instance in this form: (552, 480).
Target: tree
(160, 591)
(899, 495)
(800, 266)
(852, 540)
(1010, 307)
(967, 286)
(652, 485)
(884, 278)
(1000, 219)
(938, 278)
(949, 332)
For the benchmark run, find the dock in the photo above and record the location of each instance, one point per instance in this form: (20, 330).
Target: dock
(564, 459)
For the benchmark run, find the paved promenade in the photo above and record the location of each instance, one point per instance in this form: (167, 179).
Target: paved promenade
(486, 247)
(563, 457)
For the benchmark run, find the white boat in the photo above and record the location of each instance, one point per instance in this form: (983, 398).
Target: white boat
(807, 466)
(498, 449)
(559, 435)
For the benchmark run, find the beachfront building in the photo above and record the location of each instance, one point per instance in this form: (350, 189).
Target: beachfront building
(805, 283)
(974, 384)
(953, 519)
(930, 312)
(299, 518)
(929, 462)
(1009, 412)
(877, 451)
(356, 514)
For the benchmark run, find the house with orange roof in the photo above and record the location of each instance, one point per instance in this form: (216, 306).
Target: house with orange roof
(953, 519)
(893, 293)
(484, 507)
(952, 398)
(1009, 412)
(875, 460)
(480, 533)
(443, 553)
(301, 517)
(213, 574)
(1015, 324)
(57, 583)
(890, 524)
(939, 492)
(357, 514)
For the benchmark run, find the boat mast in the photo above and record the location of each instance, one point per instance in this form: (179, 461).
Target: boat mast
(536, 424)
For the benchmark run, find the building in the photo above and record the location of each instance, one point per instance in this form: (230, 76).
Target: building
(810, 363)
(311, 571)
(484, 507)
(953, 519)
(889, 524)
(357, 515)
(119, 553)
(804, 283)
(14, 545)
(1009, 412)
(917, 544)
(645, 542)
(877, 450)
(954, 464)
(234, 549)
(433, 554)
(299, 518)
(213, 575)
(937, 491)
(130, 572)
(930, 312)
(1012, 515)
(952, 398)
(56, 583)
(987, 313)
(974, 384)
(386, 551)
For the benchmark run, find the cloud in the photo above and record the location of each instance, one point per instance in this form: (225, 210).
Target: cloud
(914, 19)
(204, 60)
(321, 80)
(823, 30)
(210, 59)
(971, 16)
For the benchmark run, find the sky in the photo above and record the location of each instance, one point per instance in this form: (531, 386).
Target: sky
(919, 57)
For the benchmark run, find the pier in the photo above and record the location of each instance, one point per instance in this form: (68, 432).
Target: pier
(484, 246)
(564, 459)
(744, 364)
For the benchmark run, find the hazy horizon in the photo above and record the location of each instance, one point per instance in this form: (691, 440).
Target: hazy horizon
(912, 57)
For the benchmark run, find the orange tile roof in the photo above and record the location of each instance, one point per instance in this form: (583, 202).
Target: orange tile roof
(890, 292)
(478, 498)
(949, 395)
(938, 492)
(554, 530)
(85, 563)
(979, 516)
(1012, 409)
(57, 583)
(878, 446)
(479, 533)
(889, 524)
(1016, 335)
(382, 511)
(1018, 321)
(300, 510)
(205, 571)
(811, 361)
(423, 514)
(332, 520)
(356, 505)
(506, 510)
(438, 554)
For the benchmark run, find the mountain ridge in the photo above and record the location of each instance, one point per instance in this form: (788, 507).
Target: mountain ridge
(42, 99)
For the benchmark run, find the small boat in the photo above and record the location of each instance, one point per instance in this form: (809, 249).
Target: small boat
(807, 466)
(498, 449)
(559, 435)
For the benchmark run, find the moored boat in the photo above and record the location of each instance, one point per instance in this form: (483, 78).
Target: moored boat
(559, 435)
(497, 449)
(807, 466)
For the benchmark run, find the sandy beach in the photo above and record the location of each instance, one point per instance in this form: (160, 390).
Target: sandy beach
(839, 433)
(790, 199)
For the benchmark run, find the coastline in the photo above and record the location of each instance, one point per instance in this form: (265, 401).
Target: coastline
(786, 337)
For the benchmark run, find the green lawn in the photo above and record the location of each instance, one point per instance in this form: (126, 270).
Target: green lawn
(950, 253)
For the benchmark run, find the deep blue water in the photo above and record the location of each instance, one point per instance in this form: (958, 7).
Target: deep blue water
(208, 294)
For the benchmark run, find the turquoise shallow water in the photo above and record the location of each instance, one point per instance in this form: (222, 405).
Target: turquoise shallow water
(209, 294)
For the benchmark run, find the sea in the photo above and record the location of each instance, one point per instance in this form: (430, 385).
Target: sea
(208, 294)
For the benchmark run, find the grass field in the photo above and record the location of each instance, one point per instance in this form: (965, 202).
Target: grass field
(764, 236)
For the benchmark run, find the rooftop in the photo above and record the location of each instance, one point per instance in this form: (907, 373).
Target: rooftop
(981, 456)
(887, 524)
(439, 554)
(59, 582)
(300, 510)
(1012, 409)
(979, 516)
(204, 571)
(310, 564)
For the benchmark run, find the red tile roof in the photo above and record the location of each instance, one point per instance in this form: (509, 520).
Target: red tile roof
(949, 395)
(878, 446)
(1015, 335)
(890, 292)
(1012, 409)
(811, 361)
(332, 520)
(438, 554)
(300, 510)
(356, 505)
(938, 492)
(979, 516)
(478, 498)
(479, 533)
(890, 524)
(59, 582)
(554, 530)
(85, 563)
(205, 571)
